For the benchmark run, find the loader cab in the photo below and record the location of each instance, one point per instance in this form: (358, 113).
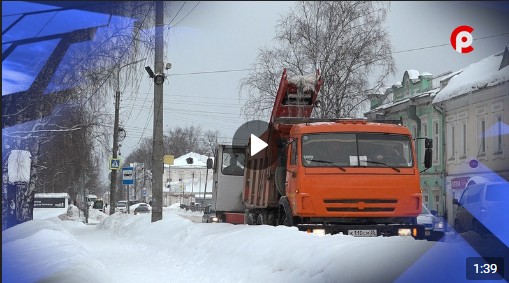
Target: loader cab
(229, 167)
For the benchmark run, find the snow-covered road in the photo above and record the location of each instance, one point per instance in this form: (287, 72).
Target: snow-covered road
(127, 248)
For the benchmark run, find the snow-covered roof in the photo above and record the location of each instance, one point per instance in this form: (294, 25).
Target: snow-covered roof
(52, 195)
(199, 160)
(426, 74)
(395, 103)
(484, 73)
(397, 84)
(413, 74)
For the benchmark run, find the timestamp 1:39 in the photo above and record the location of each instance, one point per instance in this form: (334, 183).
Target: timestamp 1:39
(485, 268)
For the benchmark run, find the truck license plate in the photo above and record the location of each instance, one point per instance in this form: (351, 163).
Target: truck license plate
(362, 233)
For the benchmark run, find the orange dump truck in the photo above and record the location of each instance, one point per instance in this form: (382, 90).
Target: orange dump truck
(332, 175)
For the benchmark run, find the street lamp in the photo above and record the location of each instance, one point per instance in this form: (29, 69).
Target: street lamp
(113, 185)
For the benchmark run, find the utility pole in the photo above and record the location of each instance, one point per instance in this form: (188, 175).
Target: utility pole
(157, 152)
(135, 185)
(113, 202)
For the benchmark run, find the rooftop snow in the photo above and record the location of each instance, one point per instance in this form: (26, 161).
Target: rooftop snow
(198, 160)
(476, 76)
(52, 195)
(413, 74)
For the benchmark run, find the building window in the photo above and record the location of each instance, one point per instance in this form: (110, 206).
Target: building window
(437, 201)
(451, 134)
(497, 135)
(463, 139)
(436, 144)
(482, 137)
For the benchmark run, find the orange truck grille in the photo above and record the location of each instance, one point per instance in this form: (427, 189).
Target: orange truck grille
(360, 205)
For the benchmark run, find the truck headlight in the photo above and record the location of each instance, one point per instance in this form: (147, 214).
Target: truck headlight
(405, 232)
(214, 219)
(439, 225)
(319, 232)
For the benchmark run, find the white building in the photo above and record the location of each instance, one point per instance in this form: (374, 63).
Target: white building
(185, 181)
(476, 106)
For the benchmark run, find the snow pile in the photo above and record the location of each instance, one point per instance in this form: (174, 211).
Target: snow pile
(73, 211)
(482, 74)
(304, 82)
(44, 250)
(96, 216)
(175, 249)
(19, 166)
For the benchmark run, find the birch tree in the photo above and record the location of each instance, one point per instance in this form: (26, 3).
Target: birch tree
(345, 40)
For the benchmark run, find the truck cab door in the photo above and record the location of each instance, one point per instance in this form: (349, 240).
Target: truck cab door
(291, 172)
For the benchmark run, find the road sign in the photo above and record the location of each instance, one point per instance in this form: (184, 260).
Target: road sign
(114, 164)
(127, 176)
(168, 159)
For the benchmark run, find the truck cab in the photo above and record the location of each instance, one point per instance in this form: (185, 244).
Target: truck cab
(227, 187)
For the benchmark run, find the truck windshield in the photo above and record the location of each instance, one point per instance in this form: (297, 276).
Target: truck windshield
(356, 149)
(233, 161)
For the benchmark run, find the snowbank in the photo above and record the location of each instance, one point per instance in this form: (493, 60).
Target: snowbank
(44, 250)
(175, 249)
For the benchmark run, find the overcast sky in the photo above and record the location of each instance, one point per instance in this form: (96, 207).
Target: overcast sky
(206, 37)
(227, 35)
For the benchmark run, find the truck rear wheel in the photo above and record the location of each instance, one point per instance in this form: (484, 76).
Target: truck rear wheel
(261, 219)
(250, 218)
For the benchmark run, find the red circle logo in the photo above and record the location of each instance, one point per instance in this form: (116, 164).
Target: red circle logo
(462, 39)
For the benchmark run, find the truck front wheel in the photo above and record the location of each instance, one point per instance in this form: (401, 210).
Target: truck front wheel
(285, 216)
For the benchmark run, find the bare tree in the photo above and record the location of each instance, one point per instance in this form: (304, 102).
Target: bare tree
(346, 41)
(66, 147)
(210, 140)
(180, 141)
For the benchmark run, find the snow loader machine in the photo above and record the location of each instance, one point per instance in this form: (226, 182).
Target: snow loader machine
(328, 176)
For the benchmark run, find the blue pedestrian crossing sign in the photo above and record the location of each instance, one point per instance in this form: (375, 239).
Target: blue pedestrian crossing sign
(127, 176)
(114, 164)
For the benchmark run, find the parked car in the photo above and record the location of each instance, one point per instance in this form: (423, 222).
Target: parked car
(209, 215)
(183, 206)
(484, 208)
(143, 208)
(434, 226)
(121, 206)
(98, 204)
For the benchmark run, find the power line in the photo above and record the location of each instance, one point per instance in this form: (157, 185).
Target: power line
(446, 44)
(212, 72)
(187, 14)
(171, 21)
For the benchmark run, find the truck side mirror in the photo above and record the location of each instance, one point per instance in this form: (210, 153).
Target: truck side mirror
(428, 153)
(456, 202)
(210, 163)
(428, 143)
